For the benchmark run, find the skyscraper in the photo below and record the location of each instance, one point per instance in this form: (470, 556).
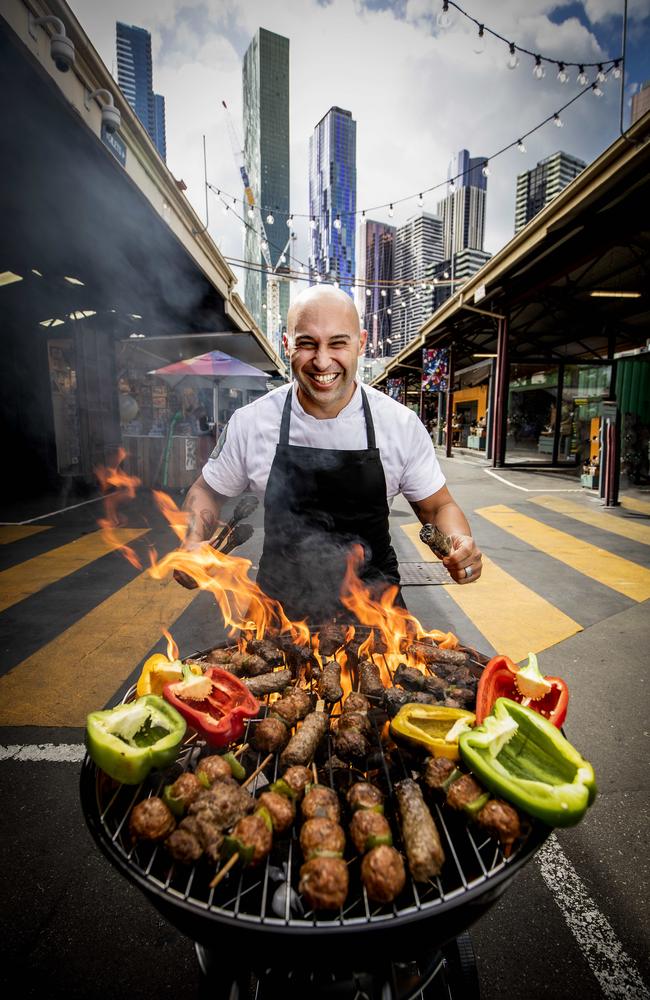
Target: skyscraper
(375, 268)
(333, 198)
(640, 102)
(266, 153)
(536, 187)
(418, 250)
(135, 77)
(463, 209)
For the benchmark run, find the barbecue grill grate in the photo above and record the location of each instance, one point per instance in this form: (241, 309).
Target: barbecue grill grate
(474, 862)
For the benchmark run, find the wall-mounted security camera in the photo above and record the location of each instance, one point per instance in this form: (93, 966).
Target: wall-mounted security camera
(61, 47)
(111, 117)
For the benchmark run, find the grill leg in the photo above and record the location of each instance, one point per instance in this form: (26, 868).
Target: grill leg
(218, 982)
(460, 971)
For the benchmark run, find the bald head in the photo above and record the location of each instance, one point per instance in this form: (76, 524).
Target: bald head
(323, 305)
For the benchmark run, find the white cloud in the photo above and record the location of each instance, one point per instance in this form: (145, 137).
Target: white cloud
(416, 93)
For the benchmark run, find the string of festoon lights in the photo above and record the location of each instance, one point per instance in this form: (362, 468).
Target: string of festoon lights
(230, 204)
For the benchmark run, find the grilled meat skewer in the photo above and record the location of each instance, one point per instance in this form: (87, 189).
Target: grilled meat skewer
(382, 867)
(151, 820)
(303, 744)
(438, 542)
(330, 638)
(329, 683)
(324, 877)
(272, 733)
(324, 883)
(351, 742)
(370, 682)
(267, 650)
(394, 698)
(464, 793)
(421, 838)
(383, 874)
(434, 656)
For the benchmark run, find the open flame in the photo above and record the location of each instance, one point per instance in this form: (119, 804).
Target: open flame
(172, 648)
(124, 487)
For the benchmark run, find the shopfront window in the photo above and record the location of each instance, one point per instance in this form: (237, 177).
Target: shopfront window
(532, 404)
(582, 391)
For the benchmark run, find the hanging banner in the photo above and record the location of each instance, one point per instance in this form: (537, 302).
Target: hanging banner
(395, 388)
(435, 370)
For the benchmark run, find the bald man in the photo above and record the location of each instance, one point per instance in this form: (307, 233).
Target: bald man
(327, 455)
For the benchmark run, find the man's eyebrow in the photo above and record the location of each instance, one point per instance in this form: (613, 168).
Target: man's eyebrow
(334, 336)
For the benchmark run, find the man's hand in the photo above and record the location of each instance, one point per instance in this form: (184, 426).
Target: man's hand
(465, 563)
(203, 506)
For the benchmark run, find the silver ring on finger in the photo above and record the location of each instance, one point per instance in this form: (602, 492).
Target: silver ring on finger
(468, 572)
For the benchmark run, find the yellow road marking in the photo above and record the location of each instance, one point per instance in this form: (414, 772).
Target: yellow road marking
(597, 518)
(632, 503)
(512, 617)
(611, 570)
(14, 532)
(81, 669)
(29, 577)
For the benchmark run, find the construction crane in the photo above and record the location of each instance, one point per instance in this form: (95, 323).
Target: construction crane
(273, 279)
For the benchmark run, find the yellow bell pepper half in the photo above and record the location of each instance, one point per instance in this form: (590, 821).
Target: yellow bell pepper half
(158, 671)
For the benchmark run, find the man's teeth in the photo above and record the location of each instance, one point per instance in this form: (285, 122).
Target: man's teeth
(325, 379)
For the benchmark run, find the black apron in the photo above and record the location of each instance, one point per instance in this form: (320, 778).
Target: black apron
(318, 503)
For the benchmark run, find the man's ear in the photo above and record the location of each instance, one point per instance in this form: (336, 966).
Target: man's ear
(285, 341)
(363, 337)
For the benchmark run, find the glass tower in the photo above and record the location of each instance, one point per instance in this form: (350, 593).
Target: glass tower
(333, 198)
(266, 154)
(135, 77)
(374, 292)
(536, 187)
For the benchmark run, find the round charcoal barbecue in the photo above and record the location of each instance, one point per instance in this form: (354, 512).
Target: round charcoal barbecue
(364, 951)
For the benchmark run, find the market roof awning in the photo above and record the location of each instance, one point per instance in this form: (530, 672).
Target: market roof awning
(593, 237)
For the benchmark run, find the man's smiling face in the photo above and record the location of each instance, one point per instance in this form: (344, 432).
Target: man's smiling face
(324, 344)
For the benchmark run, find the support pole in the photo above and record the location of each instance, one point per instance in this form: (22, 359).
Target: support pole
(501, 396)
(450, 396)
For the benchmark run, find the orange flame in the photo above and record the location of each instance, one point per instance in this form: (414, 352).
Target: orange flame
(172, 648)
(394, 625)
(125, 486)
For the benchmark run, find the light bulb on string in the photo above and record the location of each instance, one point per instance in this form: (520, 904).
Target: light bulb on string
(581, 78)
(283, 259)
(520, 146)
(336, 284)
(269, 219)
(420, 200)
(444, 19)
(398, 291)
(562, 74)
(368, 292)
(383, 293)
(337, 222)
(558, 121)
(290, 221)
(318, 279)
(251, 211)
(312, 223)
(513, 58)
(600, 76)
(389, 311)
(452, 184)
(596, 89)
(391, 211)
(616, 72)
(538, 70)
(479, 41)
(485, 170)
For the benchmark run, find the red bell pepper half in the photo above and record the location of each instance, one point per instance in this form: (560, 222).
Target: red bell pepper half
(502, 678)
(215, 704)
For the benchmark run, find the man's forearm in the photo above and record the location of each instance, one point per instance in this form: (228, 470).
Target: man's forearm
(203, 506)
(443, 512)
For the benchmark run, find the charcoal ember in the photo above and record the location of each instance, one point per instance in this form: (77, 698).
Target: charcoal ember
(451, 703)
(438, 542)
(277, 680)
(330, 638)
(370, 679)
(267, 650)
(395, 698)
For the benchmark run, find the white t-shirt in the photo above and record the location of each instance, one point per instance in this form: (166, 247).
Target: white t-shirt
(245, 451)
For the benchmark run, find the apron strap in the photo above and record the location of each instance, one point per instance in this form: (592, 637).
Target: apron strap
(286, 420)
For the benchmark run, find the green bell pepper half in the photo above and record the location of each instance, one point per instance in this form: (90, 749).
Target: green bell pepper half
(521, 756)
(126, 742)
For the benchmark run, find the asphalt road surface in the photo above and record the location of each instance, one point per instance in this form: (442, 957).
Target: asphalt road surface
(563, 577)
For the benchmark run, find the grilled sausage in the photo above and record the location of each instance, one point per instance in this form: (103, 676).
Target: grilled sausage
(277, 680)
(433, 655)
(421, 838)
(329, 685)
(249, 665)
(303, 745)
(370, 679)
(324, 883)
(330, 638)
(383, 874)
